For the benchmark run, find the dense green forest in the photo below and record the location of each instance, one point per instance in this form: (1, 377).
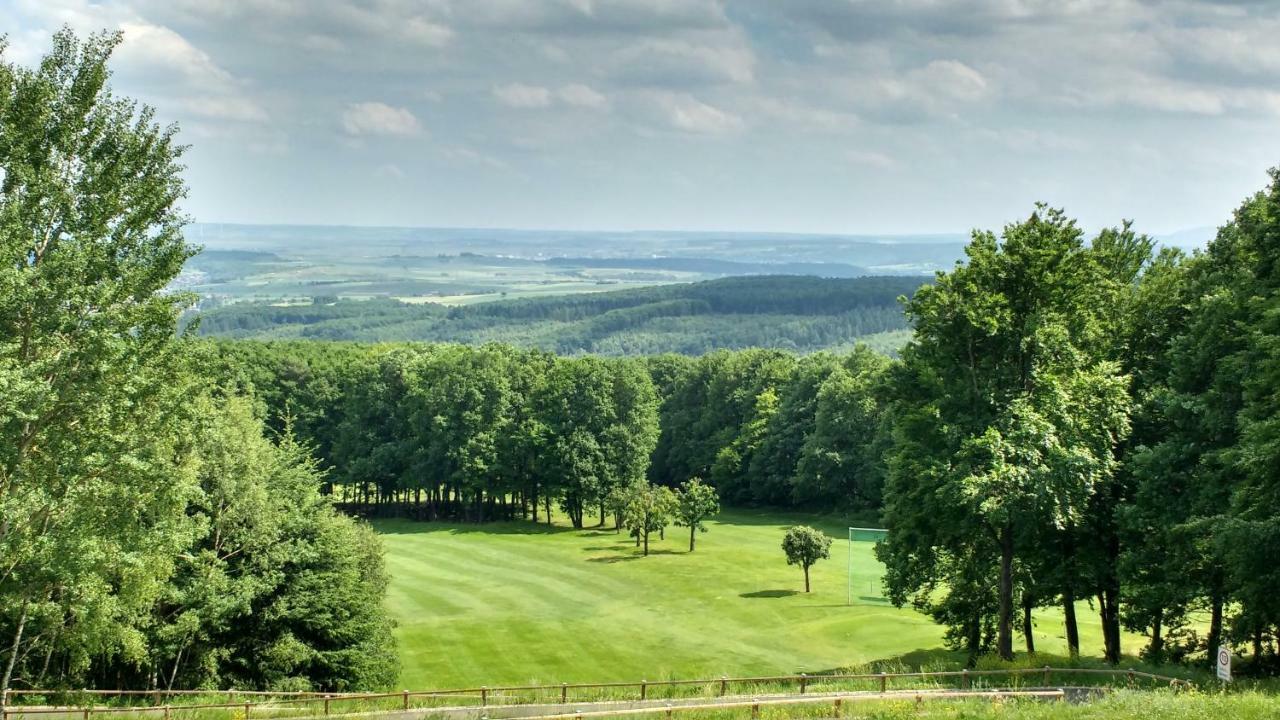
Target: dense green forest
(791, 312)
(493, 431)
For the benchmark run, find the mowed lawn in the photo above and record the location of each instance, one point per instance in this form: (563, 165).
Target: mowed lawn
(516, 602)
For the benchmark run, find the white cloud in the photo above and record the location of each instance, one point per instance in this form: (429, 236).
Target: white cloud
(390, 171)
(518, 95)
(673, 62)
(950, 78)
(870, 158)
(375, 118)
(582, 96)
(687, 113)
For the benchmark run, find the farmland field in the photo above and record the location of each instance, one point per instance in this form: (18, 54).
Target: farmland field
(515, 602)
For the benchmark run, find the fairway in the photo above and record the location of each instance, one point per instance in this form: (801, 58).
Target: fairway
(517, 602)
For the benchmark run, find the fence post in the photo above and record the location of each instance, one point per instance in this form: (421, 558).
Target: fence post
(724, 685)
(644, 689)
(326, 704)
(405, 695)
(884, 681)
(755, 709)
(166, 712)
(1130, 674)
(564, 693)
(964, 679)
(484, 694)
(87, 712)
(668, 710)
(1046, 676)
(803, 681)
(837, 707)
(246, 709)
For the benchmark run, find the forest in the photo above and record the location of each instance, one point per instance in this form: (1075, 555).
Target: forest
(1076, 418)
(801, 313)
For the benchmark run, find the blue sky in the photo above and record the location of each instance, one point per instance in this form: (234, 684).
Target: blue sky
(846, 116)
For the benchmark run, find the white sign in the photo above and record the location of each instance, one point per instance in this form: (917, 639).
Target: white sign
(1224, 663)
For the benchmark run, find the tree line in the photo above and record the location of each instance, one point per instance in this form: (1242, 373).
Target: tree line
(497, 432)
(152, 533)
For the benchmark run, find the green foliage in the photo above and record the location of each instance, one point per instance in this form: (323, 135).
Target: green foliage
(805, 546)
(149, 535)
(1008, 414)
(647, 508)
(696, 502)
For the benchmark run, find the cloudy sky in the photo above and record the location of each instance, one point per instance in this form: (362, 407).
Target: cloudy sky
(859, 116)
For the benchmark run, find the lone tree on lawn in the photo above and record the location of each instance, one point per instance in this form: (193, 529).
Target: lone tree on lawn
(648, 508)
(805, 546)
(696, 501)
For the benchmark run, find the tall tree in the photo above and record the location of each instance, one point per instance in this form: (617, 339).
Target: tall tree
(1021, 411)
(92, 475)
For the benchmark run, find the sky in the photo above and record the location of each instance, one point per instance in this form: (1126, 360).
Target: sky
(828, 116)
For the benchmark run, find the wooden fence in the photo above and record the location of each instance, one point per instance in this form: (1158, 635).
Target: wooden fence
(324, 704)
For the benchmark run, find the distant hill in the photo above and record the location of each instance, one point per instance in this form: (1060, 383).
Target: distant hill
(801, 313)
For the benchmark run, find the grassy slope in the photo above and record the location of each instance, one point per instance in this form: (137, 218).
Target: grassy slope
(514, 603)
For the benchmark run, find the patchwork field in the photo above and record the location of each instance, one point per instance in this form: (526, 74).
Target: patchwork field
(517, 602)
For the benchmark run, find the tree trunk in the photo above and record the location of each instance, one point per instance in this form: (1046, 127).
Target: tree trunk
(13, 655)
(806, 578)
(1215, 627)
(601, 513)
(974, 640)
(1156, 650)
(1028, 629)
(646, 543)
(1069, 619)
(693, 531)
(1004, 638)
(1109, 613)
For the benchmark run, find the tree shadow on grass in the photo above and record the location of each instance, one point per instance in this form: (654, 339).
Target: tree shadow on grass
(404, 526)
(769, 594)
(628, 556)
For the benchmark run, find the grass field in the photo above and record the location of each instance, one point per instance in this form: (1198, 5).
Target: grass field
(516, 602)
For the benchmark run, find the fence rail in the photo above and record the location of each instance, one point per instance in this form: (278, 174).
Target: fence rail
(326, 704)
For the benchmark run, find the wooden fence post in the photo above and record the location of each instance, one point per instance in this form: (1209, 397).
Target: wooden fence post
(405, 696)
(564, 693)
(964, 679)
(326, 704)
(644, 689)
(755, 710)
(837, 707)
(803, 680)
(166, 712)
(1046, 676)
(484, 694)
(724, 685)
(247, 705)
(87, 711)
(884, 680)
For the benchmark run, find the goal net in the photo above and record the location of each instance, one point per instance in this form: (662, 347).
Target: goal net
(865, 570)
